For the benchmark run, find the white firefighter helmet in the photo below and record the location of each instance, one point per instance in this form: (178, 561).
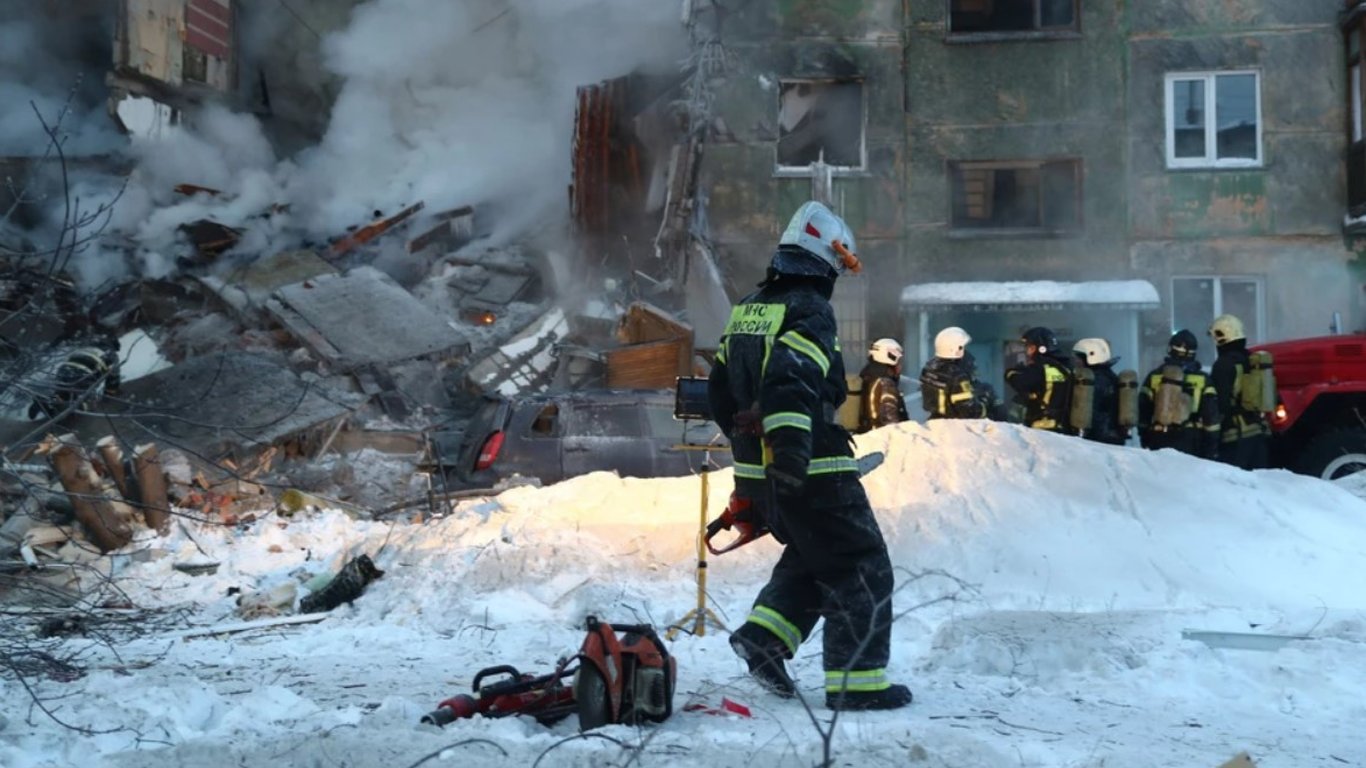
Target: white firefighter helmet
(819, 232)
(885, 351)
(1093, 351)
(951, 343)
(1226, 328)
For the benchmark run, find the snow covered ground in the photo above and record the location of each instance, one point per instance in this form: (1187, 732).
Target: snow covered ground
(1057, 578)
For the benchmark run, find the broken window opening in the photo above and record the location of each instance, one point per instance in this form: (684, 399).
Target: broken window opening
(820, 121)
(1214, 120)
(1012, 16)
(1039, 196)
(194, 66)
(1354, 26)
(546, 423)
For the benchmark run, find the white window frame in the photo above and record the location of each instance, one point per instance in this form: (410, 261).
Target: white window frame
(1217, 282)
(836, 170)
(1211, 159)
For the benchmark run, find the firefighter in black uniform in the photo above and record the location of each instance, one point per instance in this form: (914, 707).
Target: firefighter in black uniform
(1193, 424)
(1246, 437)
(774, 390)
(880, 401)
(83, 372)
(949, 388)
(1104, 427)
(1043, 383)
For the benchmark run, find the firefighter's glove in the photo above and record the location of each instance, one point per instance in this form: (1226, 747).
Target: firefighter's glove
(787, 472)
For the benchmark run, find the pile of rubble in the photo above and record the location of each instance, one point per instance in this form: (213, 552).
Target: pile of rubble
(304, 375)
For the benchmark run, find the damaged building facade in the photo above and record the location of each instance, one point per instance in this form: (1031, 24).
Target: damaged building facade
(1016, 162)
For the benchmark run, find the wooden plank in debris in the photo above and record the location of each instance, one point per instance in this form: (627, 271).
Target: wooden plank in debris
(369, 232)
(247, 626)
(1242, 641)
(647, 366)
(644, 322)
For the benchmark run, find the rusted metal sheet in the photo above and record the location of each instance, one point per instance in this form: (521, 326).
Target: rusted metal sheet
(608, 184)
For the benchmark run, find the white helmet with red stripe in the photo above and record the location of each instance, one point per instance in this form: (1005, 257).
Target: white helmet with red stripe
(816, 230)
(885, 351)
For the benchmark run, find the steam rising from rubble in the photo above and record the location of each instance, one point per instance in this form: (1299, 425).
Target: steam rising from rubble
(447, 103)
(457, 103)
(42, 59)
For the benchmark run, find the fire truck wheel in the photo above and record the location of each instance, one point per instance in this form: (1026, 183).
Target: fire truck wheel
(1334, 455)
(590, 694)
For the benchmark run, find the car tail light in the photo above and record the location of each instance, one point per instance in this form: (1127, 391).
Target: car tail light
(1279, 415)
(488, 453)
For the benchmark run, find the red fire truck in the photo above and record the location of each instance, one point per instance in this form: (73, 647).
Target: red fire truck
(1319, 428)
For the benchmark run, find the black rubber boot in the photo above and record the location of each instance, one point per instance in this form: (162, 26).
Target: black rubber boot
(894, 697)
(766, 666)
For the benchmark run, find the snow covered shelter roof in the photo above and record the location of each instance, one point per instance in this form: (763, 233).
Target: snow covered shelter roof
(1038, 294)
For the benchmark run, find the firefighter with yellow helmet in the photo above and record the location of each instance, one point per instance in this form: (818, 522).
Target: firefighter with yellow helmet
(1244, 387)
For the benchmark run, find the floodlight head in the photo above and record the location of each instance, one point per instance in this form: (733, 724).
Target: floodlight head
(691, 402)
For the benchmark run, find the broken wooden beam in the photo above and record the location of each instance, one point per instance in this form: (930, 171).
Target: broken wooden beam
(369, 232)
(112, 455)
(102, 524)
(152, 487)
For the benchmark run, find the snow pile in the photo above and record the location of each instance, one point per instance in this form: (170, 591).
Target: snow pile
(1073, 569)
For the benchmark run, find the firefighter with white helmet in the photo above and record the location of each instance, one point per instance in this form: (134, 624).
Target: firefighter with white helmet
(949, 388)
(880, 401)
(1105, 426)
(774, 389)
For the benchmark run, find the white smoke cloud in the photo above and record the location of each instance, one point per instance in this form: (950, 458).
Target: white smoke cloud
(444, 102)
(53, 63)
(457, 103)
(447, 103)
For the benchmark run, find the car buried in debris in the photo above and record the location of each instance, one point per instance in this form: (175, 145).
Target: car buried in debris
(552, 437)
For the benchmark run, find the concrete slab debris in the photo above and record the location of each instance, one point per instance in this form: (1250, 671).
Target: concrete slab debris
(247, 291)
(526, 363)
(213, 406)
(363, 318)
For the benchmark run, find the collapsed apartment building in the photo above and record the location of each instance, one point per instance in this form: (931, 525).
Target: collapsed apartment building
(336, 371)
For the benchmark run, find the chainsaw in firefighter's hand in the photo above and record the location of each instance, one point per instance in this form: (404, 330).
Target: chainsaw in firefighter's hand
(742, 516)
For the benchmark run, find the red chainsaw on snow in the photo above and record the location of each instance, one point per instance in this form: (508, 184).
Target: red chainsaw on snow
(627, 679)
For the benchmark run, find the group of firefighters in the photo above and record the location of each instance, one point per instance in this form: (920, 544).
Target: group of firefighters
(775, 391)
(1215, 415)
